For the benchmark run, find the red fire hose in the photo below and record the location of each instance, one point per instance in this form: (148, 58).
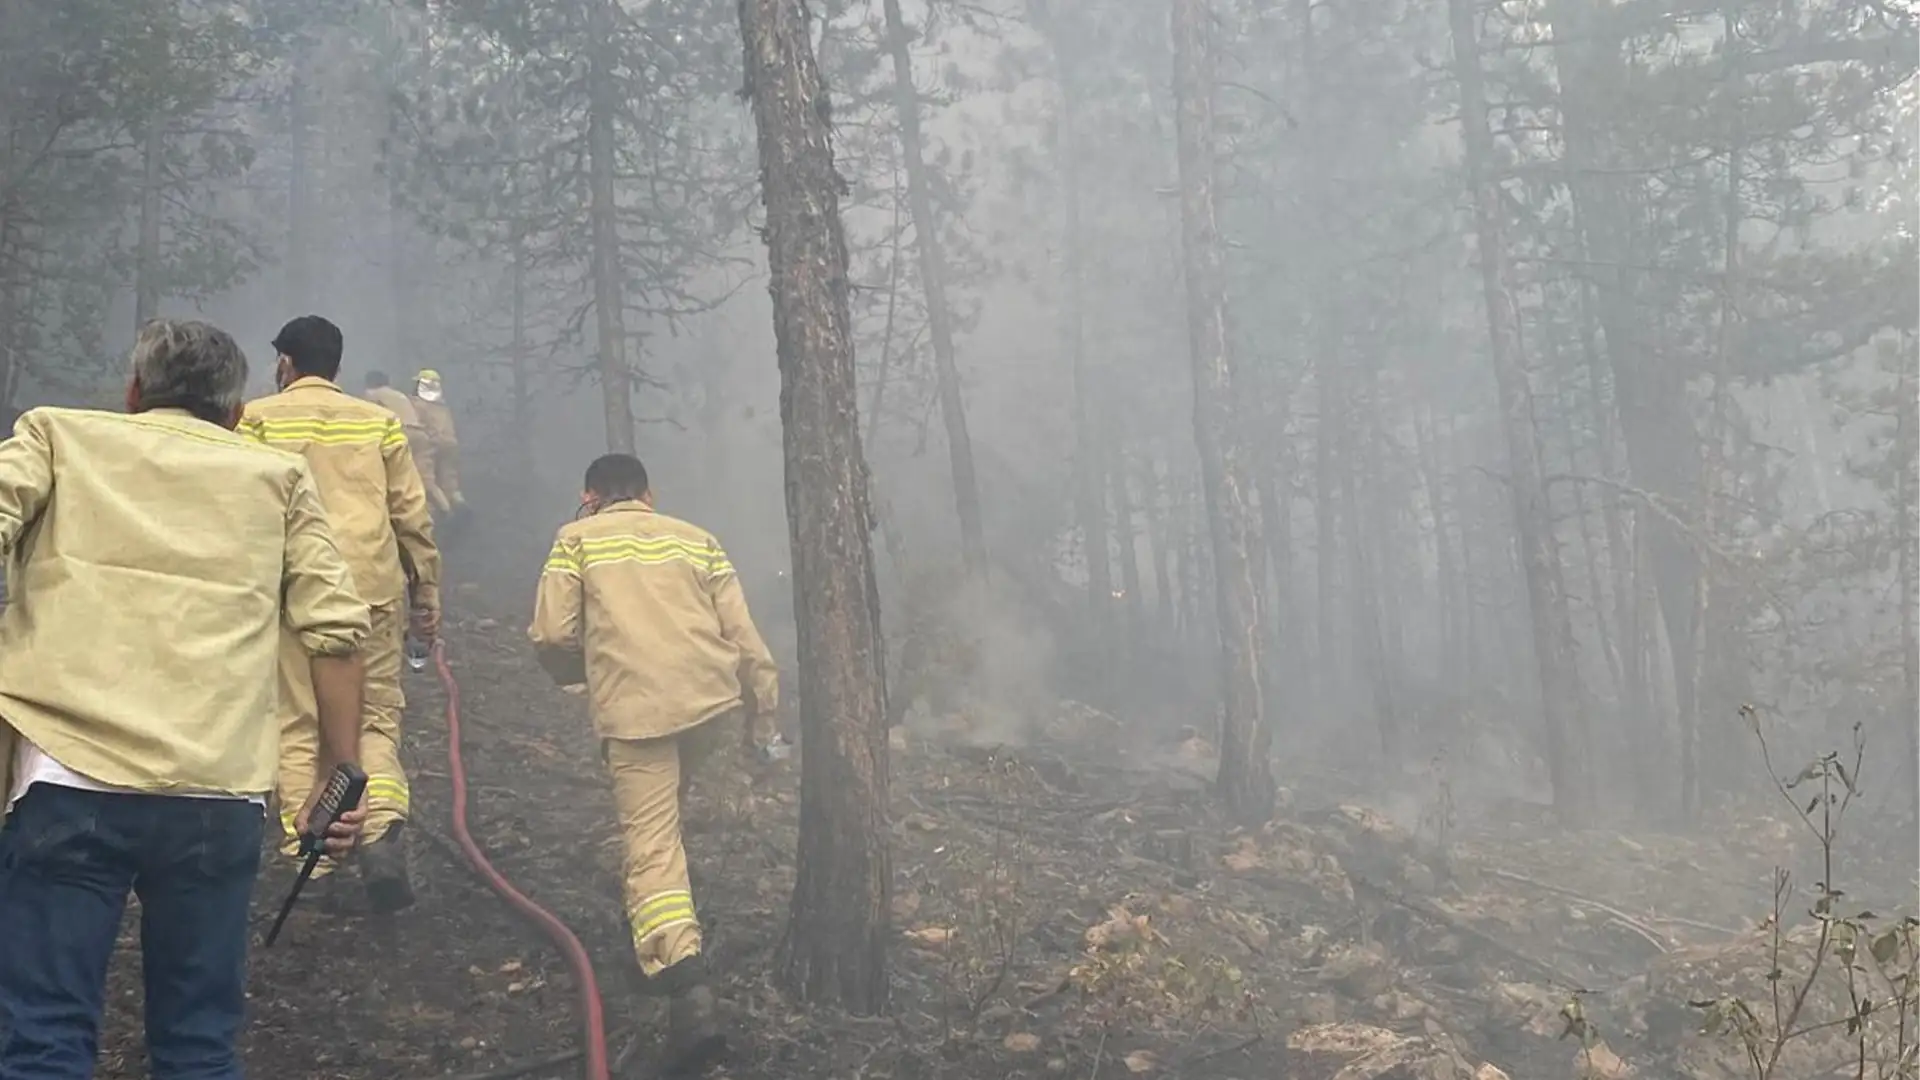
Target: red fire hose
(576, 953)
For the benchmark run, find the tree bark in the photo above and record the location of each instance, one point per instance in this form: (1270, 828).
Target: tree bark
(1132, 615)
(1373, 675)
(298, 280)
(1552, 630)
(522, 376)
(1446, 574)
(1246, 776)
(1713, 480)
(933, 279)
(1274, 481)
(1090, 505)
(836, 942)
(1330, 664)
(609, 300)
(1662, 445)
(1159, 509)
(1906, 504)
(12, 322)
(146, 287)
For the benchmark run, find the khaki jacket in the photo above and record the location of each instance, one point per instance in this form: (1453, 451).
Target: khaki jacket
(154, 560)
(418, 441)
(399, 405)
(437, 419)
(375, 501)
(647, 611)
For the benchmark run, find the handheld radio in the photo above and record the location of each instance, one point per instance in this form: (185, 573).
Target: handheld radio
(341, 794)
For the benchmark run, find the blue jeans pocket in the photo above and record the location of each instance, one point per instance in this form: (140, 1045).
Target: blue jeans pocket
(228, 838)
(55, 830)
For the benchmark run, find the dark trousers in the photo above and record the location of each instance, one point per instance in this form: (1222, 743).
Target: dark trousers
(68, 859)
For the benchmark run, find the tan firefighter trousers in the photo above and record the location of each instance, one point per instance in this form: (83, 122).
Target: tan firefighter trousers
(446, 474)
(650, 778)
(379, 730)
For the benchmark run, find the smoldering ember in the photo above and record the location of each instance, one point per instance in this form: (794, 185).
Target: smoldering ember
(1300, 541)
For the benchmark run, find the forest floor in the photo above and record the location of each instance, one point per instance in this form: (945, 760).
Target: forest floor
(1063, 909)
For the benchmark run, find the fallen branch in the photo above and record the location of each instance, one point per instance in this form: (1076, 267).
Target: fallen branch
(1462, 926)
(1653, 937)
(1695, 924)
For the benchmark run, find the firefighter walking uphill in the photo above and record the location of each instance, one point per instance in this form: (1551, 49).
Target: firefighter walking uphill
(377, 509)
(380, 391)
(436, 419)
(648, 613)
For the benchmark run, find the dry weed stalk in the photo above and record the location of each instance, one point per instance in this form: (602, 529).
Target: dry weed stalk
(1880, 958)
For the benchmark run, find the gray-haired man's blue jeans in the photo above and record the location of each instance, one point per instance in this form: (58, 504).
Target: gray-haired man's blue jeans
(68, 859)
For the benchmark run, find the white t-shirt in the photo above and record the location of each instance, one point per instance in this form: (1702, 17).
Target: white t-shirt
(32, 765)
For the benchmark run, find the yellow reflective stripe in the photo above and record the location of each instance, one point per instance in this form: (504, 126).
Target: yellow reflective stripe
(313, 429)
(388, 789)
(661, 911)
(561, 561)
(654, 551)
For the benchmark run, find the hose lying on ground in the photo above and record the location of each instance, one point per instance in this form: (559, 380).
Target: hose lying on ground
(576, 953)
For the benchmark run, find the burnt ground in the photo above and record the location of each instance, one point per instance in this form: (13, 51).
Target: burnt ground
(1064, 908)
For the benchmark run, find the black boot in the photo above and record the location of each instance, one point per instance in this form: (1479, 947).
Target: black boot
(383, 869)
(694, 1039)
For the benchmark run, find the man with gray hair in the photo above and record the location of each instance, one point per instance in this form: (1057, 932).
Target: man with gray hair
(154, 558)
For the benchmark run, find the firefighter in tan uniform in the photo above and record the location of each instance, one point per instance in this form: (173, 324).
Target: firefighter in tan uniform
(436, 419)
(647, 611)
(380, 391)
(358, 453)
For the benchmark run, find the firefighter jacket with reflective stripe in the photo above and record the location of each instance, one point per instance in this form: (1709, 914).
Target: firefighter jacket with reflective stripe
(647, 611)
(154, 560)
(375, 502)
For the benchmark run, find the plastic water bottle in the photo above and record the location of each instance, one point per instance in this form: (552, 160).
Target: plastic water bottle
(777, 749)
(417, 653)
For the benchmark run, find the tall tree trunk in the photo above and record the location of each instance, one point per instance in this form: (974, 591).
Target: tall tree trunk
(1159, 508)
(836, 943)
(1590, 554)
(1132, 617)
(1191, 565)
(1274, 482)
(1552, 632)
(400, 279)
(895, 544)
(1650, 735)
(1371, 680)
(933, 279)
(1330, 666)
(146, 288)
(1712, 464)
(298, 280)
(1090, 507)
(12, 320)
(522, 375)
(609, 294)
(877, 402)
(1473, 665)
(1662, 446)
(1906, 505)
(1385, 641)
(1446, 572)
(1246, 774)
